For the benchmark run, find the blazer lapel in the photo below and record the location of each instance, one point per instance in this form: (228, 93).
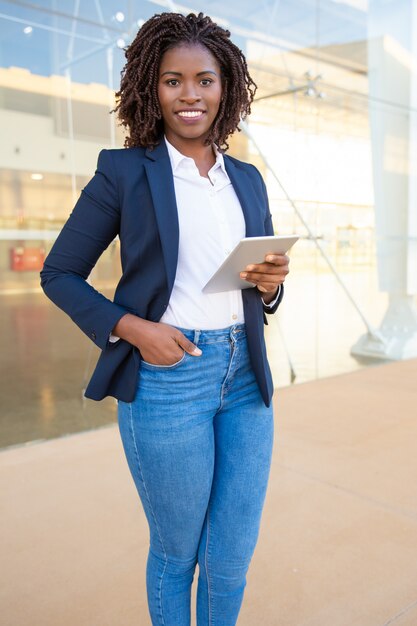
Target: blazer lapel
(251, 203)
(159, 173)
(161, 183)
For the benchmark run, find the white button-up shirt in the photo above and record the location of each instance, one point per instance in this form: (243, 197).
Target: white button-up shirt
(211, 223)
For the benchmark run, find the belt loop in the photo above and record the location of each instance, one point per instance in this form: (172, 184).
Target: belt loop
(197, 334)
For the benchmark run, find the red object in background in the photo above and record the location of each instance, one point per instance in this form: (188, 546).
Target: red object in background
(26, 259)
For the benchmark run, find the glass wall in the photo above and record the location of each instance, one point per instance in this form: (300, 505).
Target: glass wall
(333, 130)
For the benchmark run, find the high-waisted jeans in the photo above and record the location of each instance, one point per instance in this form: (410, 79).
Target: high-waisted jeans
(198, 441)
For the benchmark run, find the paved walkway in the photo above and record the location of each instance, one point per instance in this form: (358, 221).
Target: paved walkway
(338, 543)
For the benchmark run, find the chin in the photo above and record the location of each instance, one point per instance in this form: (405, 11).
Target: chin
(192, 133)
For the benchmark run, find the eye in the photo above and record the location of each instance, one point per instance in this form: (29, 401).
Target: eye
(172, 82)
(206, 82)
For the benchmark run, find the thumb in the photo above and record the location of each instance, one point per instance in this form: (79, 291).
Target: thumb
(188, 346)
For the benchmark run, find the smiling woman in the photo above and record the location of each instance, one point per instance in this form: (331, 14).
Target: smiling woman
(189, 369)
(190, 98)
(139, 108)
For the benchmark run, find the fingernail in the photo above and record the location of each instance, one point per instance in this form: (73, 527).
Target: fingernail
(269, 259)
(250, 267)
(243, 274)
(197, 351)
(262, 288)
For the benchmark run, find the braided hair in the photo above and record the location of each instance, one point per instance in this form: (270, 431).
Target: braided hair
(137, 101)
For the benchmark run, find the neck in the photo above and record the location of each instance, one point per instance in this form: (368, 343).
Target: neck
(193, 148)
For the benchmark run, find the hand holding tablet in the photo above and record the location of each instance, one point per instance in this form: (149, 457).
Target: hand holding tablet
(250, 251)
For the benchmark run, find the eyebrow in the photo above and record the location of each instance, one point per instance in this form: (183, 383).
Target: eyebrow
(198, 74)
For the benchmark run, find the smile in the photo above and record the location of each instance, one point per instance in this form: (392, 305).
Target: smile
(190, 114)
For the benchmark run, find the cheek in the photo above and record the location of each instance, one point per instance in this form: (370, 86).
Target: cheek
(217, 97)
(163, 97)
(216, 105)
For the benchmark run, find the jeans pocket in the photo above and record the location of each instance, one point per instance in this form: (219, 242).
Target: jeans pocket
(154, 366)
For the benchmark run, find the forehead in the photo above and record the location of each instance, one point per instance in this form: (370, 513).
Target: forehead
(188, 57)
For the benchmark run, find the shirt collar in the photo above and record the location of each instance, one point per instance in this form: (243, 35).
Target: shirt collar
(177, 158)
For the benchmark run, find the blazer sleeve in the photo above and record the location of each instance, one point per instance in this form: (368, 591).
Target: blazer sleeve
(269, 230)
(91, 227)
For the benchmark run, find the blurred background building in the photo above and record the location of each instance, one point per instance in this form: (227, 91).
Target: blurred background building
(333, 129)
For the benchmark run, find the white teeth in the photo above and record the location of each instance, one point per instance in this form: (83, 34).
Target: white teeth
(190, 113)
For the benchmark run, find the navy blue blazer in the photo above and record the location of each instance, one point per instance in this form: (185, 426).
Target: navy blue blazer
(132, 195)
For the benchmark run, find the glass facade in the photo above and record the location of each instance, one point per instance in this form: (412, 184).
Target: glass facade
(333, 130)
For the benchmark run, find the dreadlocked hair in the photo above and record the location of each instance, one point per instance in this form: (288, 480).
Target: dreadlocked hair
(137, 104)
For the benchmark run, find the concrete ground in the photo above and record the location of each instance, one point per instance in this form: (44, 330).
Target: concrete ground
(338, 543)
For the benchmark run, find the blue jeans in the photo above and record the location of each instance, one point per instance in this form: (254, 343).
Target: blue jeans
(198, 441)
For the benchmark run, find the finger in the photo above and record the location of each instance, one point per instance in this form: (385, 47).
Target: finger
(272, 260)
(267, 288)
(267, 268)
(261, 277)
(277, 259)
(188, 346)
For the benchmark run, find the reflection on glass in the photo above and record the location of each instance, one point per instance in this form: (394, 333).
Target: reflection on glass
(335, 120)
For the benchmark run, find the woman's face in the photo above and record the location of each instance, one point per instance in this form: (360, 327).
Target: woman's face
(189, 92)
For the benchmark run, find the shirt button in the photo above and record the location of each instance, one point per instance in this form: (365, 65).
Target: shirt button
(234, 316)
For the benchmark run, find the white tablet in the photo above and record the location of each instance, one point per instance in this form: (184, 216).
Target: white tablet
(248, 251)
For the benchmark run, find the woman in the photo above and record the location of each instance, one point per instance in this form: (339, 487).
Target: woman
(189, 369)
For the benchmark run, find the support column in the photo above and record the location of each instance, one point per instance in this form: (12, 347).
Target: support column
(392, 64)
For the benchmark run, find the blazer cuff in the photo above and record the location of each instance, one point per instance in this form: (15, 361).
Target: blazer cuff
(272, 306)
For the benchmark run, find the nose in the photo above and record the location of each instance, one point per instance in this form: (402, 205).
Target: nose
(189, 95)
(190, 99)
